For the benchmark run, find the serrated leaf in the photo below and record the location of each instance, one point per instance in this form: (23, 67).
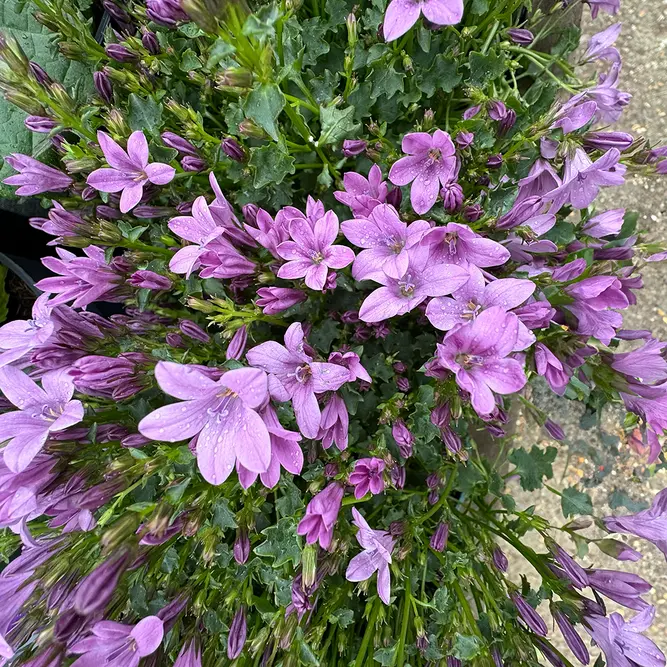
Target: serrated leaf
(281, 543)
(263, 105)
(618, 498)
(342, 617)
(386, 82)
(466, 647)
(337, 124)
(189, 61)
(223, 517)
(313, 40)
(271, 164)
(574, 502)
(386, 656)
(145, 114)
(324, 334)
(533, 466)
(485, 68)
(262, 24)
(442, 75)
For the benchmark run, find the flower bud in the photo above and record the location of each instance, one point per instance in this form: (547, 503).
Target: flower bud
(464, 139)
(352, 147)
(351, 23)
(237, 635)
(193, 164)
(40, 74)
(438, 540)
(618, 550)
(395, 197)
(173, 140)
(121, 53)
(95, 591)
(603, 141)
(309, 565)
(452, 197)
(233, 150)
(235, 77)
(521, 36)
(403, 437)
(250, 129)
(237, 344)
(103, 86)
(500, 560)
(194, 331)
(145, 279)
(554, 430)
(149, 41)
(241, 546)
(40, 124)
(473, 213)
(250, 213)
(494, 161)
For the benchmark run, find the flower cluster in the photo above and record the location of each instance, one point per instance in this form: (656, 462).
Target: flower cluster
(340, 242)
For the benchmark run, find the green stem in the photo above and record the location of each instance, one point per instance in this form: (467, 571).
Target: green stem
(302, 103)
(465, 605)
(489, 39)
(406, 618)
(370, 631)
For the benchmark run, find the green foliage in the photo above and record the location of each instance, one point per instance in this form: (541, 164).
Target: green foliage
(263, 105)
(533, 466)
(574, 502)
(282, 544)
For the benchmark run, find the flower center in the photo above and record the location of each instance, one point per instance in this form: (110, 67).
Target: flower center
(316, 256)
(303, 373)
(473, 310)
(450, 239)
(406, 286)
(469, 360)
(434, 155)
(395, 245)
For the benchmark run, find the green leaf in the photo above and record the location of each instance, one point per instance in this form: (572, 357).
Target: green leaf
(144, 114)
(485, 68)
(262, 24)
(313, 40)
(223, 517)
(479, 7)
(466, 647)
(342, 617)
(324, 334)
(271, 164)
(169, 561)
(189, 61)
(282, 543)
(338, 11)
(574, 502)
(386, 656)
(442, 75)
(289, 501)
(264, 105)
(386, 82)
(533, 466)
(220, 51)
(618, 498)
(337, 124)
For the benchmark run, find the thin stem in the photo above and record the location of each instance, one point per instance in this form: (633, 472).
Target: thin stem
(406, 618)
(370, 631)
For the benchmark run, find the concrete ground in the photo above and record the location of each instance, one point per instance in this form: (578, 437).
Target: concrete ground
(589, 457)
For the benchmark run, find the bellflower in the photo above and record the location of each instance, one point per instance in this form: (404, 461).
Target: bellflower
(129, 171)
(119, 645)
(220, 415)
(189, 655)
(401, 15)
(321, 516)
(386, 240)
(367, 476)
(429, 165)
(608, 6)
(352, 362)
(19, 337)
(269, 233)
(609, 99)
(35, 177)
(647, 362)
(601, 45)
(311, 252)
(622, 587)
(41, 411)
(529, 615)
(574, 114)
(423, 278)
(335, 424)
(474, 297)
(295, 376)
(622, 642)
(608, 223)
(542, 179)
(362, 194)
(551, 368)
(377, 546)
(274, 300)
(458, 244)
(478, 353)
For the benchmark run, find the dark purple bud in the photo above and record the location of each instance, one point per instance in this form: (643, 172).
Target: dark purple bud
(250, 213)
(40, 124)
(145, 279)
(40, 74)
(433, 497)
(352, 147)
(471, 112)
(58, 143)
(192, 163)
(497, 110)
(103, 86)
(121, 53)
(399, 367)
(175, 340)
(88, 193)
(521, 36)
(473, 213)
(495, 161)
(594, 607)
(453, 662)
(331, 470)
(403, 384)
(452, 197)
(531, 618)
(603, 141)
(403, 437)
(233, 149)
(116, 12)
(134, 440)
(433, 481)
(500, 560)
(149, 212)
(464, 139)
(438, 540)
(422, 642)
(397, 528)
(184, 208)
(397, 474)
(497, 658)
(395, 197)
(554, 430)
(237, 635)
(165, 12)
(572, 638)
(237, 344)
(507, 123)
(194, 331)
(96, 590)
(170, 612)
(173, 140)
(241, 546)
(149, 40)
(68, 625)
(573, 570)
(549, 654)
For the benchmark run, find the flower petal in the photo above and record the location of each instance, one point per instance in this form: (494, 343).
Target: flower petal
(361, 567)
(406, 169)
(328, 377)
(176, 422)
(273, 358)
(19, 389)
(21, 450)
(443, 12)
(58, 385)
(137, 149)
(445, 313)
(251, 438)
(307, 411)
(216, 456)
(159, 173)
(250, 384)
(109, 180)
(183, 381)
(72, 414)
(384, 583)
(148, 633)
(508, 293)
(380, 305)
(400, 16)
(338, 256)
(115, 156)
(131, 196)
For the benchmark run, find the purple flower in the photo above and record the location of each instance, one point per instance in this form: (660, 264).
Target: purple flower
(574, 572)
(41, 411)
(608, 6)
(473, 213)
(274, 300)
(128, 171)
(458, 244)
(621, 641)
(464, 139)
(574, 114)
(285, 452)
(423, 278)
(35, 177)
(237, 344)
(352, 147)
(572, 638)
(335, 424)
(361, 194)
(351, 361)
(531, 618)
(541, 180)
(452, 197)
(238, 631)
(219, 415)
(622, 587)
(321, 516)
(603, 141)
(241, 546)
(500, 559)
(189, 656)
(367, 476)
(294, 375)
(95, 591)
(521, 36)
(478, 353)
(270, 233)
(649, 524)
(401, 15)
(610, 101)
(149, 280)
(429, 165)
(110, 377)
(646, 363)
(377, 546)
(608, 223)
(438, 540)
(19, 337)
(474, 297)
(311, 253)
(233, 149)
(386, 240)
(403, 437)
(119, 645)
